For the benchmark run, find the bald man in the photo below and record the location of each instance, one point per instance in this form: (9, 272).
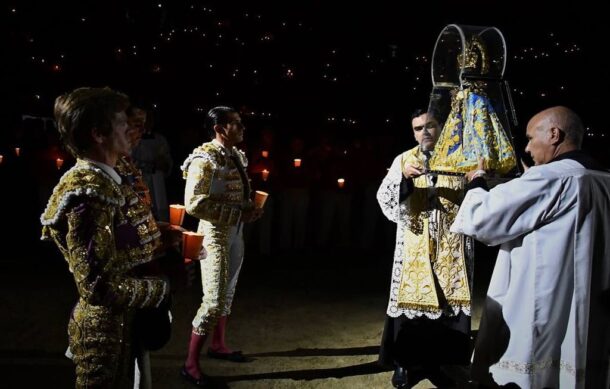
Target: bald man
(546, 321)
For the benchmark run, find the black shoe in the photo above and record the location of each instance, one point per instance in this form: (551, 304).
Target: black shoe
(400, 378)
(203, 382)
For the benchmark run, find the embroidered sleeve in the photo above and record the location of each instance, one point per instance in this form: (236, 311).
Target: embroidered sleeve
(91, 255)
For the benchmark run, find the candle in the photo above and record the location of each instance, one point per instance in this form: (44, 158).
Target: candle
(265, 153)
(265, 174)
(260, 198)
(17, 151)
(1, 158)
(176, 214)
(191, 245)
(297, 162)
(59, 163)
(341, 183)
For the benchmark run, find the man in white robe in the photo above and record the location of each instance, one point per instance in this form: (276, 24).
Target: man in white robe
(546, 322)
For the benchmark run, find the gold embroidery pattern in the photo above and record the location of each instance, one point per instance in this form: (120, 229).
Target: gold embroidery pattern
(214, 189)
(472, 131)
(417, 290)
(449, 266)
(98, 337)
(424, 256)
(214, 276)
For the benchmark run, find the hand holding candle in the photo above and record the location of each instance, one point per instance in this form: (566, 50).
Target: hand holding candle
(341, 183)
(265, 174)
(59, 163)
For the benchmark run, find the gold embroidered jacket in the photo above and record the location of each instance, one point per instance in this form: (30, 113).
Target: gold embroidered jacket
(101, 238)
(215, 191)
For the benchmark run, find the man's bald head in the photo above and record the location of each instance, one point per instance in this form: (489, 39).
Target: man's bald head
(564, 119)
(552, 132)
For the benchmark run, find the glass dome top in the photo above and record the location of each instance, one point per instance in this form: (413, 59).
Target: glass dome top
(468, 52)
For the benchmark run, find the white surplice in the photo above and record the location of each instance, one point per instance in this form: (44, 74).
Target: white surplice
(546, 321)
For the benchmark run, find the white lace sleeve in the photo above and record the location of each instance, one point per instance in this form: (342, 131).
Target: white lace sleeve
(388, 194)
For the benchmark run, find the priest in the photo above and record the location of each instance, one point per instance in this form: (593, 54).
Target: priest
(546, 322)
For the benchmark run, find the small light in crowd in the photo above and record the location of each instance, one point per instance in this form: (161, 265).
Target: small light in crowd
(265, 174)
(37, 97)
(17, 151)
(159, 5)
(297, 162)
(341, 183)
(265, 154)
(56, 68)
(1, 158)
(59, 163)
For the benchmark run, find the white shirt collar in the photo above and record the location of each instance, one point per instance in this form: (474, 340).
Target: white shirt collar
(107, 169)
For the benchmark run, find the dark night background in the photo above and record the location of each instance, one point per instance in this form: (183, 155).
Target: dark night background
(348, 71)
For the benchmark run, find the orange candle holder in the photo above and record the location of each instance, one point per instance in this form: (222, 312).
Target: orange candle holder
(176, 214)
(259, 198)
(265, 174)
(59, 163)
(191, 245)
(17, 151)
(341, 183)
(297, 162)
(265, 154)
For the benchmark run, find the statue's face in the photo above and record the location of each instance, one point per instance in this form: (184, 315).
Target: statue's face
(426, 131)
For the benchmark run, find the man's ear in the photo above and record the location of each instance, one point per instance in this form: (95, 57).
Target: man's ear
(556, 135)
(219, 129)
(97, 136)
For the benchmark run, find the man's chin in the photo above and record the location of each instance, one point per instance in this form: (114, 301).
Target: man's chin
(427, 146)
